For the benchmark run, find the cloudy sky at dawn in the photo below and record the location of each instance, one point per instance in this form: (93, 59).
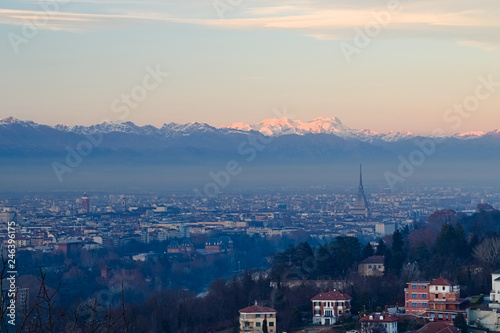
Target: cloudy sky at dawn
(237, 60)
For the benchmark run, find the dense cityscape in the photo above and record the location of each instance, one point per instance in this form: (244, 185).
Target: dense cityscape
(125, 248)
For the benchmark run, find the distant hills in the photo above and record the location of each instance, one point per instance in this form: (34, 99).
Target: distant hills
(318, 138)
(278, 143)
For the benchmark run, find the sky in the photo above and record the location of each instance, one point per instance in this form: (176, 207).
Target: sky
(380, 65)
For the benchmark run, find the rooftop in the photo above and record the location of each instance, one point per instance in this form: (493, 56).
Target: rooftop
(441, 282)
(257, 309)
(438, 327)
(374, 260)
(331, 296)
(379, 317)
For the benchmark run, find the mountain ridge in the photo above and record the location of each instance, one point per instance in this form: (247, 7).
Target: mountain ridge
(273, 127)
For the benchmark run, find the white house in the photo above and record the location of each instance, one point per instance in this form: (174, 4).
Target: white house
(328, 307)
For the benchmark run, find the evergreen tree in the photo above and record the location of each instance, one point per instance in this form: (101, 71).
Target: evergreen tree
(460, 323)
(398, 257)
(397, 241)
(381, 248)
(264, 326)
(368, 251)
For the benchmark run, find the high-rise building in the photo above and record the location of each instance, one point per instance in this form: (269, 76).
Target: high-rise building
(184, 231)
(360, 206)
(86, 203)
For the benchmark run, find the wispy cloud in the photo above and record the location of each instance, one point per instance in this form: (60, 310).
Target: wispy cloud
(309, 18)
(480, 45)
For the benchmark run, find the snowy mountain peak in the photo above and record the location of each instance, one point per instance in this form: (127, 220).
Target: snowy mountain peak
(284, 126)
(319, 125)
(10, 120)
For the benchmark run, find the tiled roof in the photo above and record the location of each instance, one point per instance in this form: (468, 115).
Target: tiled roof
(441, 282)
(331, 296)
(257, 309)
(438, 327)
(212, 241)
(379, 317)
(186, 242)
(173, 245)
(225, 240)
(374, 260)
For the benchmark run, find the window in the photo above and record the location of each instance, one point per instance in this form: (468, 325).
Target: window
(433, 315)
(440, 315)
(257, 324)
(257, 315)
(453, 316)
(424, 295)
(328, 313)
(446, 316)
(444, 288)
(414, 305)
(413, 295)
(424, 305)
(369, 266)
(316, 312)
(271, 323)
(414, 286)
(340, 311)
(424, 287)
(436, 288)
(407, 295)
(247, 324)
(316, 303)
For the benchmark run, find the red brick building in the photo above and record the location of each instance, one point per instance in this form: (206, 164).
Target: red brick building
(444, 301)
(417, 297)
(438, 299)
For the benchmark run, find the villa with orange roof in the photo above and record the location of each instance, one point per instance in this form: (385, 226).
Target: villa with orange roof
(255, 317)
(328, 307)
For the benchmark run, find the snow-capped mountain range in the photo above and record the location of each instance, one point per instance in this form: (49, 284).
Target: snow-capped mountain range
(323, 125)
(268, 127)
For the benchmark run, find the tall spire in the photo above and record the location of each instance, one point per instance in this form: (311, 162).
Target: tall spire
(360, 177)
(361, 204)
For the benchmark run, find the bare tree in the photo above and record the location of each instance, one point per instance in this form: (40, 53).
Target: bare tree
(410, 272)
(488, 251)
